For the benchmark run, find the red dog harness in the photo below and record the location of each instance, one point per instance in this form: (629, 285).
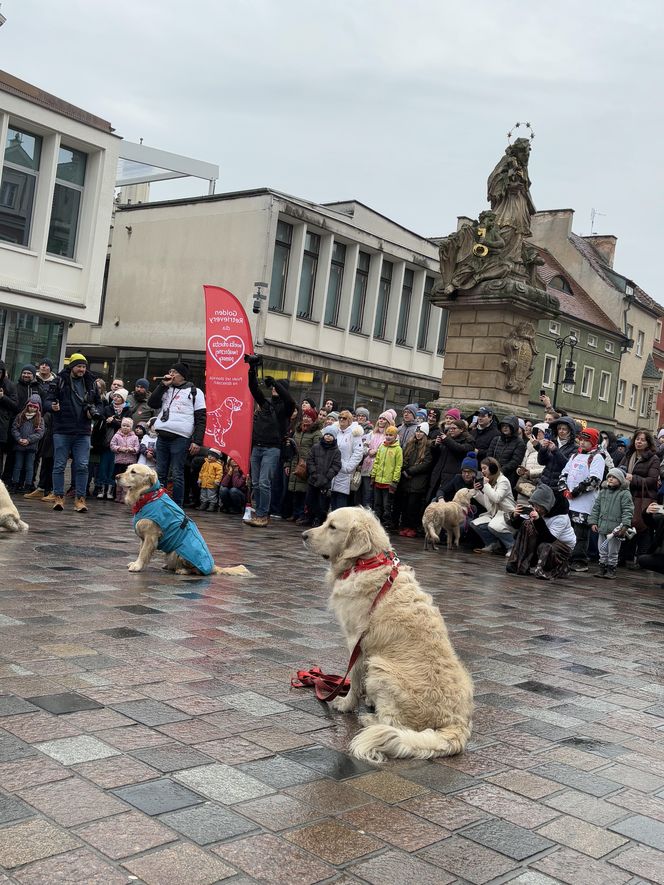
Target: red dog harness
(328, 686)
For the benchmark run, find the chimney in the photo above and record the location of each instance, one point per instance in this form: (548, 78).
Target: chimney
(605, 245)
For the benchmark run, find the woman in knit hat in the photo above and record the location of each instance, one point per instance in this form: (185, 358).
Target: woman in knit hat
(415, 480)
(372, 442)
(307, 434)
(323, 464)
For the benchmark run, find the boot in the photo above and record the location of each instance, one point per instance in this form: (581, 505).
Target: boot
(610, 573)
(204, 506)
(80, 506)
(38, 493)
(110, 493)
(59, 502)
(101, 494)
(49, 498)
(601, 573)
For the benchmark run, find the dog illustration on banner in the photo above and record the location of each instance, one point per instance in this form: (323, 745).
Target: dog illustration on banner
(221, 420)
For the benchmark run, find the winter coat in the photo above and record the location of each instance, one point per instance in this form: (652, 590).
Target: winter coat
(388, 465)
(73, 416)
(210, 473)
(139, 410)
(645, 475)
(406, 432)
(304, 440)
(186, 410)
(25, 391)
(45, 388)
(452, 452)
(26, 430)
(508, 450)
(8, 404)
(554, 461)
(234, 480)
(148, 444)
(349, 443)
(272, 415)
(612, 507)
(414, 472)
(103, 432)
(125, 441)
(372, 442)
(323, 464)
(531, 464)
(179, 533)
(483, 437)
(499, 503)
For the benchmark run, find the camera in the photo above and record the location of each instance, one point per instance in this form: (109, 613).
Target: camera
(165, 415)
(253, 360)
(93, 412)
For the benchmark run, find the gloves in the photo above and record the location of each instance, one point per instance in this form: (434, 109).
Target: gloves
(269, 381)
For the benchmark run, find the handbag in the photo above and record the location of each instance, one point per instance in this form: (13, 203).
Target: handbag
(356, 480)
(300, 470)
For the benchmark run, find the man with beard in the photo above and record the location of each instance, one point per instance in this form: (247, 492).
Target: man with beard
(139, 410)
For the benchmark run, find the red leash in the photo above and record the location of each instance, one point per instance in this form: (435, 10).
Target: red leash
(328, 686)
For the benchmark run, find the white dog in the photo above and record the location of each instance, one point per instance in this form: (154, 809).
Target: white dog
(448, 515)
(407, 671)
(10, 518)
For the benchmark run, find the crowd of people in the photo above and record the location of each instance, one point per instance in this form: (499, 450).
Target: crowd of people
(549, 495)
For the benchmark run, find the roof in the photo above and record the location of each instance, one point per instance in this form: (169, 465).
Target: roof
(13, 86)
(610, 276)
(579, 305)
(650, 370)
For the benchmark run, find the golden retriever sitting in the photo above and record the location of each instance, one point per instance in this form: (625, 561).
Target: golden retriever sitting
(161, 524)
(407, 671)
(448, 515)
(10, 518)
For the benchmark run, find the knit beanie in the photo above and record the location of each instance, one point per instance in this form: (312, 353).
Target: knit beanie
(391, 431)
(543, 496)
(35, 402)
(122, 393)
(421, 414)
(453, 413)
(29, 368)
(618, 474)
(45, 361)
(593, 435)
(334, 415)
(332, 430)
(424, 427)
(308, 412)
(390, 416)
(143, 382)
(77, 359)
(470, 462)
(182, 369)
(411, 407)
(362, 412)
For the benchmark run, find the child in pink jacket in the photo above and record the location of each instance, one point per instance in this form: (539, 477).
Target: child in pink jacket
(125, 445)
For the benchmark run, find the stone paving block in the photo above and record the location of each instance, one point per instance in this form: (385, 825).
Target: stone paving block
(126, 834)
(525, 783)
(270, 859)
(35, 727)
(507, 838)
(180, 864)
(255, 704)
(582, 836)
(172, 757)
(32, 840)
(642, 861)
(641, 829)
(333, 842)
(389, 787)
(72, 801)
(634, 777)
(329, 797)
(279, 739)
(30, 771)
(222, 783)
(393, 868)
(573, 868)
(70, 751)
(232, 750)
(395, 826)
(150, 712)
(328, 762)
(588, 808)
(587, 782)
(117, 771)
(278, 772)
(134, 737)
(158, 797)
(208, 823)
(11, 748)
(468, 860)
(11, 706)
(80, 866)
(68, 702)
(639, 803)
(532, 878)
(13, 809)
(446, 811)
(278, 812)
(497, 801)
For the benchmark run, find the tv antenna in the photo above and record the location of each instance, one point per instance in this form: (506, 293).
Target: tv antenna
(595, 213)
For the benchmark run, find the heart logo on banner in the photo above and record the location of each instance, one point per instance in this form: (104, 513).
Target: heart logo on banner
(226, 352)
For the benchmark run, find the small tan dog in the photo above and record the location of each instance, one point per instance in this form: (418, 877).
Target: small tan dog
(175, 534)
(448, 515)
(10, 519)
(407, 671)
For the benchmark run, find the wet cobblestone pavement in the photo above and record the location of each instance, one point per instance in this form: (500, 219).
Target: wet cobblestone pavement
(148, 733)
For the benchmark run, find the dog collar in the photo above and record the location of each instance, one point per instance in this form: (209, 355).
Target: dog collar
(388, 557)
(147, 498)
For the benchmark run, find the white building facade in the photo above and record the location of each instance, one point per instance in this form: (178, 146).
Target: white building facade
(57, 176)
(346, 315)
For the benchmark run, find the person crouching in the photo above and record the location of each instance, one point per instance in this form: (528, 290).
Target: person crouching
(545, 536)
(209, 480)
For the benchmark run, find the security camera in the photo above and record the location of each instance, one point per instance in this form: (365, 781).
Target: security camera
(256, 307)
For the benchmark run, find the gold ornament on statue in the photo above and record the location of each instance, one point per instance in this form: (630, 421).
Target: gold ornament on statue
(480, 249)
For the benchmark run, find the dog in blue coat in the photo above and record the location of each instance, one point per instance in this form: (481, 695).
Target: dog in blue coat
(162, 525)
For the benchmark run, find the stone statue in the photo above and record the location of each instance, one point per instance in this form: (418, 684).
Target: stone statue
(520, 351)
(508, 189)
(473, 253)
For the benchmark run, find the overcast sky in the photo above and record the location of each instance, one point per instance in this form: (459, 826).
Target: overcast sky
(402, 105)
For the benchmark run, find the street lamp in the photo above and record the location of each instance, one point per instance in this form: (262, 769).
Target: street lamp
(568, 380)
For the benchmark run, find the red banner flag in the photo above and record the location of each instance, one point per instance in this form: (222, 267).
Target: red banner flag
(229, 402)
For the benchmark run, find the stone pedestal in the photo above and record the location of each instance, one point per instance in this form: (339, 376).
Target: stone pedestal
(490, 350)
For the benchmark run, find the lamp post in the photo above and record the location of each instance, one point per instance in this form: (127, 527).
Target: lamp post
(568, 380)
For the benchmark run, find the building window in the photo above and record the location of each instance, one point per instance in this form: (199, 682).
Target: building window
(640, 341)
(549, 372)
(67, 199)
(622, 390)
(404, 307)
(592, 340)
(305, 300)
(560, 283)
(643, 405)
(554, 328)
(629, 333)
(425, 315)
(604, 386)
(608, 347)
(587, 381)
(18, 185)
(334, 284)
(575, 333)
(632, 397)
(282, 247)
(360, 292)
(382, 307)
(442, 334)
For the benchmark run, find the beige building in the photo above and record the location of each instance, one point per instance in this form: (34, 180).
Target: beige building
(345, 315)
(589, 260)
(57, 175)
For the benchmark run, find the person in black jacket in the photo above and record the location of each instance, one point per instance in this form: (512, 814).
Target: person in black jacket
(508, 448)
(485, 431)
(555, 453)
(8, 409)
(74, 404)
(271, 417)
(323, 464)
(415, 480)
(454, 444)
